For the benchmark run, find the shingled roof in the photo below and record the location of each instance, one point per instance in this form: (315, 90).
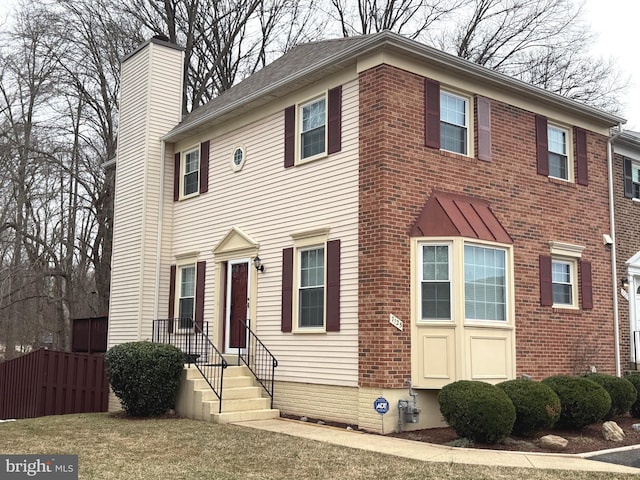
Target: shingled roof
(307, 63)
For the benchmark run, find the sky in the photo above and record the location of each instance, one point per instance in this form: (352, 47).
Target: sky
(614, 22)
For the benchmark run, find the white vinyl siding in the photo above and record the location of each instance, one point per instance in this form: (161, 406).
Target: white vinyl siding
(282, 202)
(133, 303)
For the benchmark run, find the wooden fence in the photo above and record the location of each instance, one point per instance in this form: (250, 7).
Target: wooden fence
(89, 335)
(48, 382)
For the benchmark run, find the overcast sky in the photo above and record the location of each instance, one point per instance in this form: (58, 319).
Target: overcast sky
(615, 22)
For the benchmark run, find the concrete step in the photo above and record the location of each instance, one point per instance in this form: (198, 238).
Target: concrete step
(231, 417)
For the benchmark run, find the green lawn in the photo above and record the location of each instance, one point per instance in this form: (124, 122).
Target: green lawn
(111, 447)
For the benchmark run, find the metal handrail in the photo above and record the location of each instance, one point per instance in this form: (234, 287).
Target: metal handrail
(258, 359)
(193, 339)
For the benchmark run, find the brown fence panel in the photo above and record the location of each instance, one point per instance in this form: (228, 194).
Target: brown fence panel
(48, 382)
(89, 335)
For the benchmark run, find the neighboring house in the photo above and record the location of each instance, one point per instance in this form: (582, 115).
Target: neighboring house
(419, 218)
(626, 187)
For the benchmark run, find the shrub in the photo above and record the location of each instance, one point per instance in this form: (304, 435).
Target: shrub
(634, 378)
(477, 410)
(537, 405)
(582, 401)
(145, 376)
(621, 391)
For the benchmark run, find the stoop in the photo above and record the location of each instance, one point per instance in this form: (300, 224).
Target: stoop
(243, 398)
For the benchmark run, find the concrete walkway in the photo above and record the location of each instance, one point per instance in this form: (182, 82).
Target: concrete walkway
(428, 452)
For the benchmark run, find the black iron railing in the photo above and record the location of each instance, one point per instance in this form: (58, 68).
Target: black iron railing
(258, 359)
(193, 339)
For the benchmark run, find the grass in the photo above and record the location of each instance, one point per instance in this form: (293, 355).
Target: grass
(113, 447)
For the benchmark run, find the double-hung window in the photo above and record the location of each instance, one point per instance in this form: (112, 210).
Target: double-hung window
(311, 287)
(187, 295)
(435, 282)
(558, 156)
(313, 121)
(563, 280)
(484, 278)
(190, 174)
(484, 283)
(453, 123)
(635, 179)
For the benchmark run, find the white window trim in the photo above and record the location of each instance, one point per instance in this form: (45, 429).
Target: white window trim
(234, 167)
(183, 165)
(307, 240)
(298, 143)
(567, 253)
(468, 121)
(449, 246)
(185, 260)
(569, 146)
(457, 282)
(634, 163)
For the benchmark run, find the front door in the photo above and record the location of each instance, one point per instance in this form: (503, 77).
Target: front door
(237, 305)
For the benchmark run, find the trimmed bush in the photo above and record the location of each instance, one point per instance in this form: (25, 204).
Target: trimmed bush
(582, 401)
(622, 392)
(634, 378)
(477, 410)
(537, 405)
(145, 376)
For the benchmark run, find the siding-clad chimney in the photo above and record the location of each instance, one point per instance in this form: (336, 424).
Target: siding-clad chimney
(150, 106)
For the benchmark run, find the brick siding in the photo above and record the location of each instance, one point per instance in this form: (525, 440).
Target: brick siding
(397, 175)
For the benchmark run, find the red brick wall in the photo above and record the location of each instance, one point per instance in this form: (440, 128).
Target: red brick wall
(627, 245)
(397, 175)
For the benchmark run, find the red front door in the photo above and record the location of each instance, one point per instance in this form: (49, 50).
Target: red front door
(237, 303)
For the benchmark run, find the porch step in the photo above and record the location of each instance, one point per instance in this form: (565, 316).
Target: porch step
(242, 397)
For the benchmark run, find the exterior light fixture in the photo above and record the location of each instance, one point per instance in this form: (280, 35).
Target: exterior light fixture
(625, 283)
(258, 264)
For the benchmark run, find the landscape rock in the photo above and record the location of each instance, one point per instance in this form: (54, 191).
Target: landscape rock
(320, 422)
(612, 432)
(554, 442)
(304, 419)
(636, 427)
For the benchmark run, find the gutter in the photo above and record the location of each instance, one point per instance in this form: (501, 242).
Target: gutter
(612, 227)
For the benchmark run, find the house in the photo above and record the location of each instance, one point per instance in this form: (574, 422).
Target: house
(626, 192)
(418, 220)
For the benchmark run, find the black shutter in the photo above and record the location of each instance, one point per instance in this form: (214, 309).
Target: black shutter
(176, 177)
(333, 286)
(204, 167)
(200, 279)
(287, 290)
(289, 136)
(628, 178)
(172, 298)
(542, 146)
(431, 113)
(334, 133)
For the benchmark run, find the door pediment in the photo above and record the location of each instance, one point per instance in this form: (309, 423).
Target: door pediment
(235, 244)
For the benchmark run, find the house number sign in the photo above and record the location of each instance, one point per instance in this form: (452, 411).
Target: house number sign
(395, 321)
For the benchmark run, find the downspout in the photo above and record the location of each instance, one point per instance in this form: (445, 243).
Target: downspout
(612, 227)
(156, 292)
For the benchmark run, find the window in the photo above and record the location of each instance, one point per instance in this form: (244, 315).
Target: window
(484, 283)
(558, 157)
(312, 128)
(237, 159)
(190, 179)
(453, 123)
(562, 280)
(484, 294)
(187, 295)
(311, 288)
(631, 178)
(435, 283)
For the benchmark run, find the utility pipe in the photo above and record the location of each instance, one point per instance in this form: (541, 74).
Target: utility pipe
(612, 227)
